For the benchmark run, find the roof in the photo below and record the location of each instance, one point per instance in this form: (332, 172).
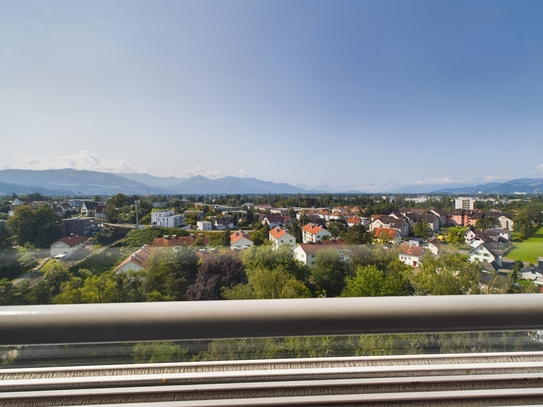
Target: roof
(390, 232)
(139, 257)
(237, 236)
(314, 247)
(278, 232)
(312, 228)
(406, 248)
(91, 205)
(100, 208)
(73, 240)
(177, 241)
(353, 219)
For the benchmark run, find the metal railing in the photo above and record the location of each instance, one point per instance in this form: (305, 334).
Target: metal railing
(125, 322)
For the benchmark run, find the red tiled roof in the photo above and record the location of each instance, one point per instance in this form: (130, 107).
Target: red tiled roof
(73, 240)
(234, 237)
(277, 232)
(390, 232)
(312, 248)
(353, 219)
(312, 228)
(406, 248)
(140, 257)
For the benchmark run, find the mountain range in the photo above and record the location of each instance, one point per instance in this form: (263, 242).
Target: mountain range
(82, 182)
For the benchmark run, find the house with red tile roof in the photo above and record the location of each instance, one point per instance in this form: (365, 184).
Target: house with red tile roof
(411, 255)
(67, 246)
(313, 233)
(240, 240)
(307, 252)
(137, 261)
(387, 235)
(279, 237)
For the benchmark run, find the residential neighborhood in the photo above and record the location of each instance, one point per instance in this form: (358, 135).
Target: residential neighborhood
(489, 238)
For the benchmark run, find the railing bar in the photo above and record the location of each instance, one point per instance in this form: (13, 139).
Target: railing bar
(271, 361)
(263, 373)
(338, 399)
(203, 320)
(267, 385)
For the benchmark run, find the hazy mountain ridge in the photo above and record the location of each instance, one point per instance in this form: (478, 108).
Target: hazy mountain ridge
(521, 185)
(83, 182)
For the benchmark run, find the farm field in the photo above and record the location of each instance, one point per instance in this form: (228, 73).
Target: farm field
(528, 250)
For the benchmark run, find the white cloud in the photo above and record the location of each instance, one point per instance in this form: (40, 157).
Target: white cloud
(82, 161)
(539, 168)
(203, 172)
(31, 161)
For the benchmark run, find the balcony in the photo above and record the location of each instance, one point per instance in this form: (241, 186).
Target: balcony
(44, 337)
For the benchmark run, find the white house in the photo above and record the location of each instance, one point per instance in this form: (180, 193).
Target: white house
(307, 252)
(137, 261)
(204, 225)
(411, 255)
(313, 233)
(67, 246)
(223, 223)
(240, 240)
(506, 222)
(486, 253)
(167, 219)
(279, 237)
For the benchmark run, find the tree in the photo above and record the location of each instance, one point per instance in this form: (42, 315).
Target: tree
(487, 222)
(448, 274)
(226, 238)
(170, 272)
(372, 282)
(268, 284)
(357, 234)
(329, 272)
(421, 229)
(456, 235)
(39, 227)
(336, 228)
(223, 271)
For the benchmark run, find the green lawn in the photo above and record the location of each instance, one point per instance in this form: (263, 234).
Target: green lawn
(50, 265)
(528, 250)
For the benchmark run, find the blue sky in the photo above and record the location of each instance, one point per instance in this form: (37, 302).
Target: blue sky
(357, 94)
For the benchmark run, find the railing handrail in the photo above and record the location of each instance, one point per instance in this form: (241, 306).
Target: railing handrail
(126, 322)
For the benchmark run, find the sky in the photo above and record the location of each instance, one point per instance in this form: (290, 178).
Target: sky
(358, 94)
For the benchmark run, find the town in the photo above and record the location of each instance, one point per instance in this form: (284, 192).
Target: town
(155, 248)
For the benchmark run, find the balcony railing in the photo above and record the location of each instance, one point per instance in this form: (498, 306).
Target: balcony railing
(504, 378)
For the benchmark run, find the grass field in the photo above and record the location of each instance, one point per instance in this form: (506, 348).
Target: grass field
(528, 250)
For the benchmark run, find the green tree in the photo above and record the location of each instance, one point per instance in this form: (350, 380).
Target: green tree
(488, 222)
(170, 272)
(329, 272)
(40, 227)
(448, 274)
(357, 234)
(372, 282)
(456, 235)
(226, 238)
(422, 229)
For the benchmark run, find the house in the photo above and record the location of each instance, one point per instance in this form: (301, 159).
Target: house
(533, 273)
(306, 252)
(223, 223)
(279, 237)
(411, 255)
(167, 218)
(488, 254)
(433, 246)
(65, 247)
(386, 235)
(204, 225)
(176, 241)
(63, 207)
(137, 261)
(100, 212)
(354, 220)
(240, 240)
(506, 222)
(397, 222)
(89, 208)
(274, 219)
(313, 233)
